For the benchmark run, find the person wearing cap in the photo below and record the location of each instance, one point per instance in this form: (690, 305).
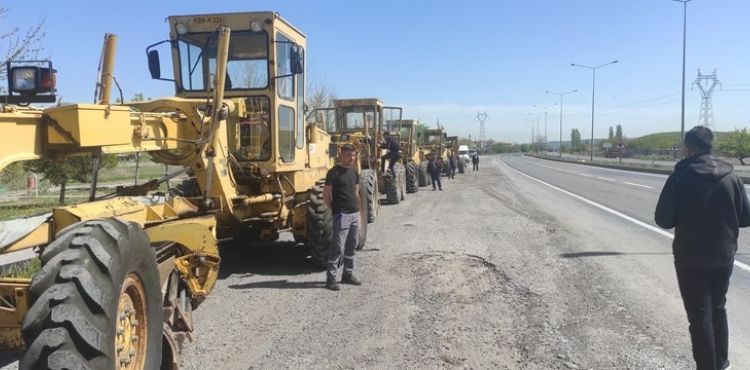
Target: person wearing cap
(394, 152)
(341, 194)
(705, 202)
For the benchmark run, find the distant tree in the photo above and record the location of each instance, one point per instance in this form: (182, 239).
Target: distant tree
(18, 43)
(736, 145)
(319, 93)
(618, 133)
(464, 141)
(575, 140)
(61, 171)
(524, 148)
(611, 134)
(13, 176)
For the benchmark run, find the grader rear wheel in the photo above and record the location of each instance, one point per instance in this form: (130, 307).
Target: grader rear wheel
(319, 226)
(96, 303)
(368, 180)
(412, 185)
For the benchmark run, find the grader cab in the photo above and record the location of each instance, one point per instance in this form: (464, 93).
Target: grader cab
(434, 144)
(122, 273)
(362, 123)
(415, 163)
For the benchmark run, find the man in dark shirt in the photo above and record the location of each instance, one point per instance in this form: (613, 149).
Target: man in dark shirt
(706, 204)
(394, 152)
(475, 162)
(341, 194)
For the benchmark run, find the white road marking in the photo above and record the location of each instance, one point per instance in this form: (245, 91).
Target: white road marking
(634, 184)
(605, 179)
(613, 169)
(612, 211)
(585, 174)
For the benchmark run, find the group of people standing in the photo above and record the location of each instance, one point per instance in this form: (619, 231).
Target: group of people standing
(436, 164)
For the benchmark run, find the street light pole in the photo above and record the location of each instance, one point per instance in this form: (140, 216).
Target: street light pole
(546, 111)
(561, 111)
(593, 87)
(684, 45)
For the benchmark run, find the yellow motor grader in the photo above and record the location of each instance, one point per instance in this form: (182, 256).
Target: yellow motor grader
(361, 123)
(122, 273)
(416, 172)
(452, 144)
(434, 144)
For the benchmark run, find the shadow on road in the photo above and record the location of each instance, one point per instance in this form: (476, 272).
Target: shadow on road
(280, 284)
(604, 254)
(271, 259)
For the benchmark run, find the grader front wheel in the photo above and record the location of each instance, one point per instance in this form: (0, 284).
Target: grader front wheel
(96, 303)
(131, 338)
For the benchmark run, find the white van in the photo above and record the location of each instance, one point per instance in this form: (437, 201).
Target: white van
(463, 152)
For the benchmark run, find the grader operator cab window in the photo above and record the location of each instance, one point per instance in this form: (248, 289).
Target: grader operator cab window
(247, 66)
(354, 118)
(254, 142)
(392, 118)
(434, 138)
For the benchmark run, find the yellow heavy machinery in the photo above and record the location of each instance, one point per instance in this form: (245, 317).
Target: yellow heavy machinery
(452, 144)
(362, 122)
(434, 144)
(122, 273)
(416, 173)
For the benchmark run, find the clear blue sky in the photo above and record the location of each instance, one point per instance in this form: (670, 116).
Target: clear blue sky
(448, 60)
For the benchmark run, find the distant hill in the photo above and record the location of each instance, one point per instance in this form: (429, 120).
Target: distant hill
(662, 140)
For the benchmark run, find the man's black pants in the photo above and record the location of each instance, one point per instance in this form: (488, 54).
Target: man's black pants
(392, 159)
(704, 293)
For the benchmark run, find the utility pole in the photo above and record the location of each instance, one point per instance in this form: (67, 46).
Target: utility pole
(481, 117)
(707, 84)
(593, 94)
(684, 47)
(561, 112)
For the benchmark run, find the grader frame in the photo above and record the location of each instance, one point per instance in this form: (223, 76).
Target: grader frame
(236, 124)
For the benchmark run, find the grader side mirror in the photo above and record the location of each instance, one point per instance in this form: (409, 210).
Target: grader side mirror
(297, 60)
(154, 65)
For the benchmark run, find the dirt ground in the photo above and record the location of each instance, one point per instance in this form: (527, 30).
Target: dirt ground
(474, 276)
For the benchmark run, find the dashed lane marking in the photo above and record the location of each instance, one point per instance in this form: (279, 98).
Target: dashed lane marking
(610, 210)
(605, 178)
(634, 184)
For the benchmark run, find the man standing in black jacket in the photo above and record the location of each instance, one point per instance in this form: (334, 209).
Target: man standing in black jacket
(706, 204)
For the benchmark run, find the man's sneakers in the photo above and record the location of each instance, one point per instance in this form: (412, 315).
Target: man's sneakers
(331, 284)
(350, 279)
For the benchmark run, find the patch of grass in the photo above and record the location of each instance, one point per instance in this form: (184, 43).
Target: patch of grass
(23, 269)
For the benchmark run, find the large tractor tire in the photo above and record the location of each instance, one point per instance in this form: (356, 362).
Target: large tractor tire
(401, 180)
(363, 212)
(392, 186)
(319, 225)
(96, 303)
(369, 182)
(461, 165)
(424, 177)
(412, 185)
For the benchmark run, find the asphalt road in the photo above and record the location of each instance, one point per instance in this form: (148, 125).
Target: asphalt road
(635, 195)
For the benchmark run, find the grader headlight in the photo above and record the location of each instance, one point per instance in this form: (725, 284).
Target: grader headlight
(30, 82)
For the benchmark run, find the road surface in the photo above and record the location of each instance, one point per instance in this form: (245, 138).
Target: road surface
(499, 270)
